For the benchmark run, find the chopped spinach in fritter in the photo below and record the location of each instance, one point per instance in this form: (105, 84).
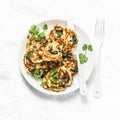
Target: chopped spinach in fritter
(65, 77)
(52, 51)
(59, 33)
(75, 40)
(74, 69)
(29, 54)
(66, 55)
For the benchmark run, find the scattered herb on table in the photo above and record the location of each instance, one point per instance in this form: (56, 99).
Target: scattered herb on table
(90, 48)
(83, 56)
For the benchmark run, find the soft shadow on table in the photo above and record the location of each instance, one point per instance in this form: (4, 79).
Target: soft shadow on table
(61, 98)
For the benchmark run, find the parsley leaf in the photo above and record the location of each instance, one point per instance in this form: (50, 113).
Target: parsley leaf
(90, 48)
(37, 39)
(39, 36)
(84, 47)
(82, 56)
(43, 82)
(34, 30)
(54, 76)
(37, 73)
(53, 79)
(53, 71)
(45, 26)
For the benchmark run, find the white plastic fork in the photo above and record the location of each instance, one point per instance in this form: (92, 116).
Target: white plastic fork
(98, 37)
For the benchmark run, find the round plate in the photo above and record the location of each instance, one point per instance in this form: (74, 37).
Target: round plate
(87, 68)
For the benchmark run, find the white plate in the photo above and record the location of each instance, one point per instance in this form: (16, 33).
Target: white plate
(88, 67)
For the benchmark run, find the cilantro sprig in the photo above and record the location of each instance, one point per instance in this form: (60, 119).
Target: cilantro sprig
(45, 26)
(38, 73)
(83, 56)
(43, 82)
(54, 76)
(36, 32)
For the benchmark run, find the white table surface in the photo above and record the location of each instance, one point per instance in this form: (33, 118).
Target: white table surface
(19, 101)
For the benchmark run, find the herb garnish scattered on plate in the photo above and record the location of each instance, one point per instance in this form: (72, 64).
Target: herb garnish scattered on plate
(83, 56)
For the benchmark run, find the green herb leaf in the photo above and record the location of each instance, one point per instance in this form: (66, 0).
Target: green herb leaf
(59, 33)
(53, 79)
(45, 26)
(34, 30)
(84, 48)
(82, 61)
(33, 27)
(38, 73)
(80, 55)
(90, 48)
(37, 39)
(54, 76)
(53, 71)
(83, 58)
(41, 35)
(43, 82)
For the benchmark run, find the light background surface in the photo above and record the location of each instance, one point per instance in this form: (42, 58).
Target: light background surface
(19, 101)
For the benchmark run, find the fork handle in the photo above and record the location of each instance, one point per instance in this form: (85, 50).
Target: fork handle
(97, 81)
